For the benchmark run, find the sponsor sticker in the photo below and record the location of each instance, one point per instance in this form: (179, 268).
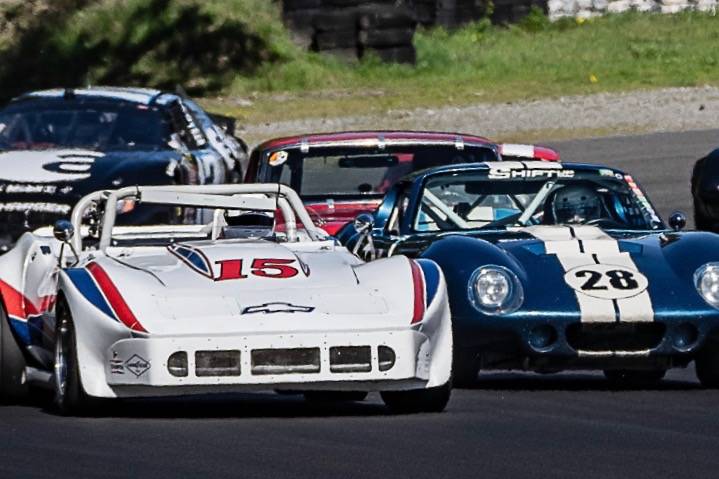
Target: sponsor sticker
(137, 365)
(508, 173)
(278, 157)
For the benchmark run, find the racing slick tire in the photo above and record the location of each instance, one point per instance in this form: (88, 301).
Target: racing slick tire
(335, 396)
(13, 386)
(627, 378)
(70, 397)
(707, 367)
(418, 400)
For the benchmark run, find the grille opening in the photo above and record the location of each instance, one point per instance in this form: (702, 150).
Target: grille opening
(177, 364)
(217, 363)
(350, 359)
(615, 336)
(285, 361)
(386, 357)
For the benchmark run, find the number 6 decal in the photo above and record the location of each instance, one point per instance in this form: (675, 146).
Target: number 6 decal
(263, 267)
(606, 281)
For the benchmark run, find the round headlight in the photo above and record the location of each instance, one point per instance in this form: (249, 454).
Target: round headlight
(495, 290)
(706, 280)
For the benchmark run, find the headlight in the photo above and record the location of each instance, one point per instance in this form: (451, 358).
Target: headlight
(495, 290)
(706, 280)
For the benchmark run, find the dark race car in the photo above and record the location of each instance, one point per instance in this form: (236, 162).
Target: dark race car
(58, 145)
(556, 266)
(705, 192)
(340, 175)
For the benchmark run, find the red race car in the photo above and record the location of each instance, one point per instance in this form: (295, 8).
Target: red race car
(340, 175)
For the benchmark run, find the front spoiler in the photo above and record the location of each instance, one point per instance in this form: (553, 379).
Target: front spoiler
(139, 366)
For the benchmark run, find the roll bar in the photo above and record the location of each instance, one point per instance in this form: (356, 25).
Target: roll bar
(207, 196)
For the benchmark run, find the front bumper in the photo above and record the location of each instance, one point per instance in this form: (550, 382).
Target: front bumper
(546, 340)
(139, 366)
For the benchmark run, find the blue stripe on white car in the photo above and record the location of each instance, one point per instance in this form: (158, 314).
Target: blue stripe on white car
(431, 273)
(84, 282)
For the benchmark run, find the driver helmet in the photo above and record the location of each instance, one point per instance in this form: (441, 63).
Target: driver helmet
(576, 204)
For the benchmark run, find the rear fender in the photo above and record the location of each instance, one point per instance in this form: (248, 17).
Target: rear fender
(28, 288)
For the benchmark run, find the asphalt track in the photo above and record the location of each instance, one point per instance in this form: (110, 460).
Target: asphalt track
(513, 425)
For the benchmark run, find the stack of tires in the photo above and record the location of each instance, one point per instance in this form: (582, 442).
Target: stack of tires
(353, 29)
(387, 33)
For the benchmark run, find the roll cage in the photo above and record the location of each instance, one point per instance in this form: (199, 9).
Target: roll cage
(259, 197)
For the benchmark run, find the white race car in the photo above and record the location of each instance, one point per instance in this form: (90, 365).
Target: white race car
(259, 298)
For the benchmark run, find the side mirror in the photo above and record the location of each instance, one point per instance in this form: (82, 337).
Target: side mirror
(363, 223)
(677, 221)
(63, 231)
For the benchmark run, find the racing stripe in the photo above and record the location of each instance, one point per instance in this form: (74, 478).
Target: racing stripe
(586, 245)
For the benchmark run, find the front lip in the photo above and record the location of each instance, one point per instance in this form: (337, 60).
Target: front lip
(521, 324)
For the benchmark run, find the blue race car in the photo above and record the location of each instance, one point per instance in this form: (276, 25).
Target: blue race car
(556, 266)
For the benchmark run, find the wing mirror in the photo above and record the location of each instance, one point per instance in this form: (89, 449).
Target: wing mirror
(677, 221)
(363, 223)
(63, 231)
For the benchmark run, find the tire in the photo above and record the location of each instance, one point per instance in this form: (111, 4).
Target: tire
(707, 367)
(335, 39)
(335, 20)
(406, 54)
(378, 18)
(418, 400)
(335, 396)
(388, 37)
(70, 397)
(13, 387)
(627, 378)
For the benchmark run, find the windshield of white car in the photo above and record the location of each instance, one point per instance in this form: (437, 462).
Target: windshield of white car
(475, 200)
(103, 126)
(361, 171)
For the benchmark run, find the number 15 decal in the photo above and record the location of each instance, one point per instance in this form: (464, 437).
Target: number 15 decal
(606, 281)
(263, 267)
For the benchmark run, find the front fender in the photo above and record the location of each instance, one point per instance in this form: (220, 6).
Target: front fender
(95, 332)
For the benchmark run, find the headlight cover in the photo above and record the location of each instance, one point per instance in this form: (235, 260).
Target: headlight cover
(495, 290)
(706, 280)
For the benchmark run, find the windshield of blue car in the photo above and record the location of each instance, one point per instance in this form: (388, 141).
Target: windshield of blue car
(476, 200)
(103, 126)
(353, 171)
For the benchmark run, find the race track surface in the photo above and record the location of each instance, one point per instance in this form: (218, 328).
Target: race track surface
(513, 425)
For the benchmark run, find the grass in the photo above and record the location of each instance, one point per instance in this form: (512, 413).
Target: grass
(484, 63)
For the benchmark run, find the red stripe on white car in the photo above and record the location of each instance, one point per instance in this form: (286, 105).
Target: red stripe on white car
(419, 294)
(113, 296)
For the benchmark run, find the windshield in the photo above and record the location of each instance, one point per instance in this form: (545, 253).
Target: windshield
(361, 171)
(555, 196)
(83, 124)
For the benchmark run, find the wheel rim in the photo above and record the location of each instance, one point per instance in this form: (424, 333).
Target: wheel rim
(60, 371)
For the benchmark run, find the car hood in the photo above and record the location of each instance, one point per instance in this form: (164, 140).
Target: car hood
(233, 286)
(633, 277)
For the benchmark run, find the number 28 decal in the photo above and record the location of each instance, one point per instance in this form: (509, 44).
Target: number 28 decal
(606, 281)
(263, 267)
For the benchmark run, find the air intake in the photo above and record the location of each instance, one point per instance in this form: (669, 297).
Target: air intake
(217, 363)
(285, 361)
(350, 359)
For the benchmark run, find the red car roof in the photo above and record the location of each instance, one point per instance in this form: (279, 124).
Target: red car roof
(358, 136)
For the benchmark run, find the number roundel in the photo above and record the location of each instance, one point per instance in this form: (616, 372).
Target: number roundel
(606, 281)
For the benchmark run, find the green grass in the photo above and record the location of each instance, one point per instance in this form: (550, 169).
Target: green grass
(483, 63)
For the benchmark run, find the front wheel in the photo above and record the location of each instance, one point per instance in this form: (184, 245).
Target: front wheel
(70, 397)
(13, 386)
(418, 400)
